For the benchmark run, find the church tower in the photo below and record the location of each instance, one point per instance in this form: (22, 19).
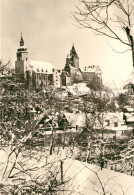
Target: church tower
(22, 53)
(21, 63)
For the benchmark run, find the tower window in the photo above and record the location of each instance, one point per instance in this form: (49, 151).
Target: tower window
(26, 58)
(115, 124)
(108, 122)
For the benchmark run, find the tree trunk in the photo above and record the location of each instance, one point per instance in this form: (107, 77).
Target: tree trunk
(52, 142)
(133, 56)
(61, 166)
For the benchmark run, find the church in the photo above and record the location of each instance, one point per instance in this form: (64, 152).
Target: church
(35, 74)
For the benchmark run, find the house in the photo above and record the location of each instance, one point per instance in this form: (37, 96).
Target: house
(116, 122)
(113, 120)
(110, 124)
(76, 120)
(46, 122)
(90, 72)
(56, 121)
(57, 78)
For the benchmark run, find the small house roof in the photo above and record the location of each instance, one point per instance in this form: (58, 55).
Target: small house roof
(76, 119)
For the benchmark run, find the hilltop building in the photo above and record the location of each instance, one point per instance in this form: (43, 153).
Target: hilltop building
(72, 73)
(35, 73)
(71, 70)
(43, 75)
(91, 71)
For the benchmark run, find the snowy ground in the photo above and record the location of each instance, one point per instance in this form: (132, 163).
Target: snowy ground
(89, 179)
(79, 177)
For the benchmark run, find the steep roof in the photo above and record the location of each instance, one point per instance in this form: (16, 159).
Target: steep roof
(73, 52)
(65, 73)
(21, 41)
(41, 67)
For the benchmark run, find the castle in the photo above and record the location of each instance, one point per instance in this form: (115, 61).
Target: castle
(43, 75)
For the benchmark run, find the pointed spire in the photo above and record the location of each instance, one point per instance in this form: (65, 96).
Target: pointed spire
(21, 40)
(73, 52)
(73, 48)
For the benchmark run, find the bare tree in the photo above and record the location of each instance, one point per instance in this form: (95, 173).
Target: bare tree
(5, 66)
(110, 18)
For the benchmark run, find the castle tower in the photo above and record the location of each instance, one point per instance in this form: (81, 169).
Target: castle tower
(74, 58)
(21, 63)
(67, 59)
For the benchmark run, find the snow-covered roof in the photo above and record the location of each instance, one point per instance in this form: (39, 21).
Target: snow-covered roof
(129, 109)
(75, 119)
(91, 69)
(109, 115)
(41, 67)
(119, 128)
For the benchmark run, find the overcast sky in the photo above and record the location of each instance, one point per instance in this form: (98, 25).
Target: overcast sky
(49, 33)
